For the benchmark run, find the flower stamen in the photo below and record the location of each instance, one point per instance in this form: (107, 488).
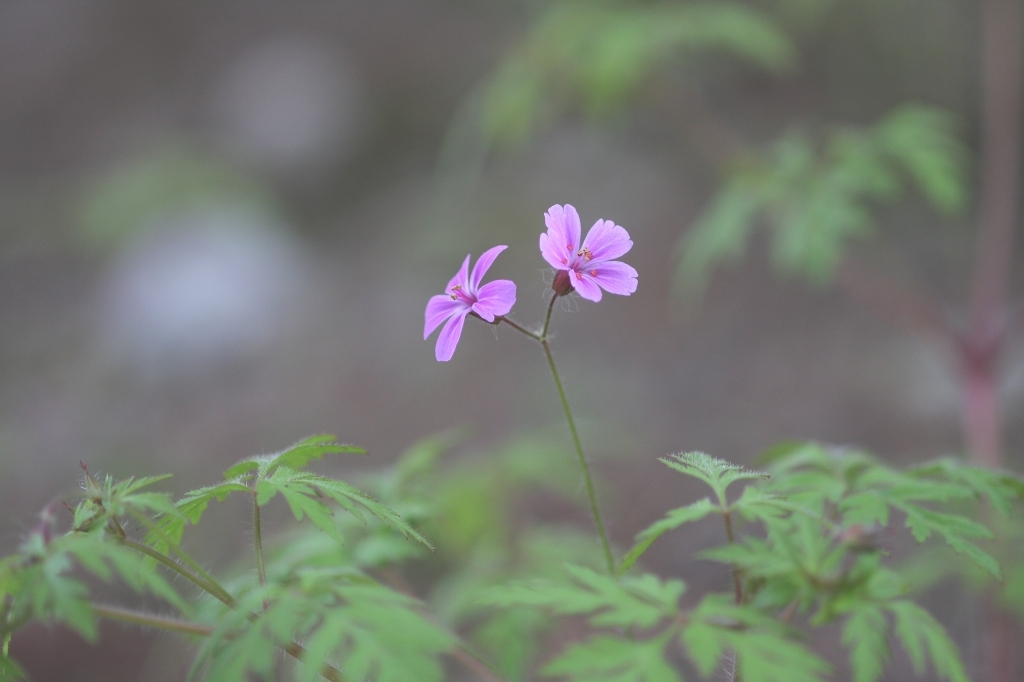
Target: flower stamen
(585, 252)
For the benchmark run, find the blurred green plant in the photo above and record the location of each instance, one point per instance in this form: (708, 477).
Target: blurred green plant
(173, 178)
(817, 198)
(599, 54)
(803, 544)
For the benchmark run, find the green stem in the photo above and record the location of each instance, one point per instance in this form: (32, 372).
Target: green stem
(736, 584)
(591, 495)
(151, 620)
(185, 627)
(518, 327)
(547, 319)
(212, 586)
(257, 542)
(542, 338)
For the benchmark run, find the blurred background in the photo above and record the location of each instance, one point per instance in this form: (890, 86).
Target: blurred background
(220, 224)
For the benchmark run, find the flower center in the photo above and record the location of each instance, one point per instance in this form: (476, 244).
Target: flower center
(585, 252)
(457, 293)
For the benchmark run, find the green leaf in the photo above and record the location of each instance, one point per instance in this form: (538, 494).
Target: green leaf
(818, 197)
(294, 485)
(717, 473)
(673, 519)
(637, 601)
(296, 456)
(954, 529)
(614, 659)
(865, 509)
(922, 140)
(1000, 488)
(189, 509)
(763, 649)
(362, 628)
(923, 637)
(10, 671)
(601, 54)
(865, 633)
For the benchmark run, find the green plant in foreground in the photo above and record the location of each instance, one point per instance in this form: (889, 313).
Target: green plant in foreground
(802, 549)
(802, 546)
(812, 558)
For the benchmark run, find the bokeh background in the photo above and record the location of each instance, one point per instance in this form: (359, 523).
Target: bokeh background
(220, 223)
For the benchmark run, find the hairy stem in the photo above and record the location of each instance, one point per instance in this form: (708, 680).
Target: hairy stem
(591, 494)
(518, 327)
(257, 543)
(151, 620)
(595, 511)
(737, 586)
(212, 588)
(185, 627)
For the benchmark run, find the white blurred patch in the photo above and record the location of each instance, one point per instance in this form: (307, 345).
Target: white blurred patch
(202, 288)
(290, 105)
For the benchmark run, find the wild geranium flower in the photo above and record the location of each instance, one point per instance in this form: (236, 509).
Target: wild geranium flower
(463, 296)
(588, 267)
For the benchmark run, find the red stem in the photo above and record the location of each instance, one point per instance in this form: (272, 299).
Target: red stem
(997, 209)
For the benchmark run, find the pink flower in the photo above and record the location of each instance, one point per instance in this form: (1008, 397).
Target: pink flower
(590, 266)
(463, 296)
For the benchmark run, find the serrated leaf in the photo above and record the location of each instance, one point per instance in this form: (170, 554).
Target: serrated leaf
(763, 651)
(865, 509)
(672, 520)
(314, 486)
(866, 635)
(717, 473)
(954, 529)
(642, 601)
(924, 638)
(242, 468)
(614, 659)
(1000, 488)
(190, 509)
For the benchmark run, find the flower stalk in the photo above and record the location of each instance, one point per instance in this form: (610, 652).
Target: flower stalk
(588, 481)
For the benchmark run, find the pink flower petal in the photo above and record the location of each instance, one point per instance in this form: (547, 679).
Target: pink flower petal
(495, 298)
(448, 339)
(564, 227)
(483, 264)
(585, 286)
(606, 241)
(554, 251)
(614, 276)
(439, 308)
(461, 277)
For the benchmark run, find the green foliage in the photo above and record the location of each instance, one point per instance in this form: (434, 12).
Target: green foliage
(281, 472)
(613, 659)
(640, 602)
(174, 178)
(762, 649)
(717, 473)
(924, 639)
(366, 630)
(817, 198)
(672, 520)
(802, 542)
(823, 512)
(601, 53)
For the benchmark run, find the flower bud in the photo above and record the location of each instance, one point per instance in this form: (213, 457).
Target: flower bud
(562, 284)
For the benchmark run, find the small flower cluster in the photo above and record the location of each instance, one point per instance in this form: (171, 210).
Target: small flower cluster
(586, 267)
